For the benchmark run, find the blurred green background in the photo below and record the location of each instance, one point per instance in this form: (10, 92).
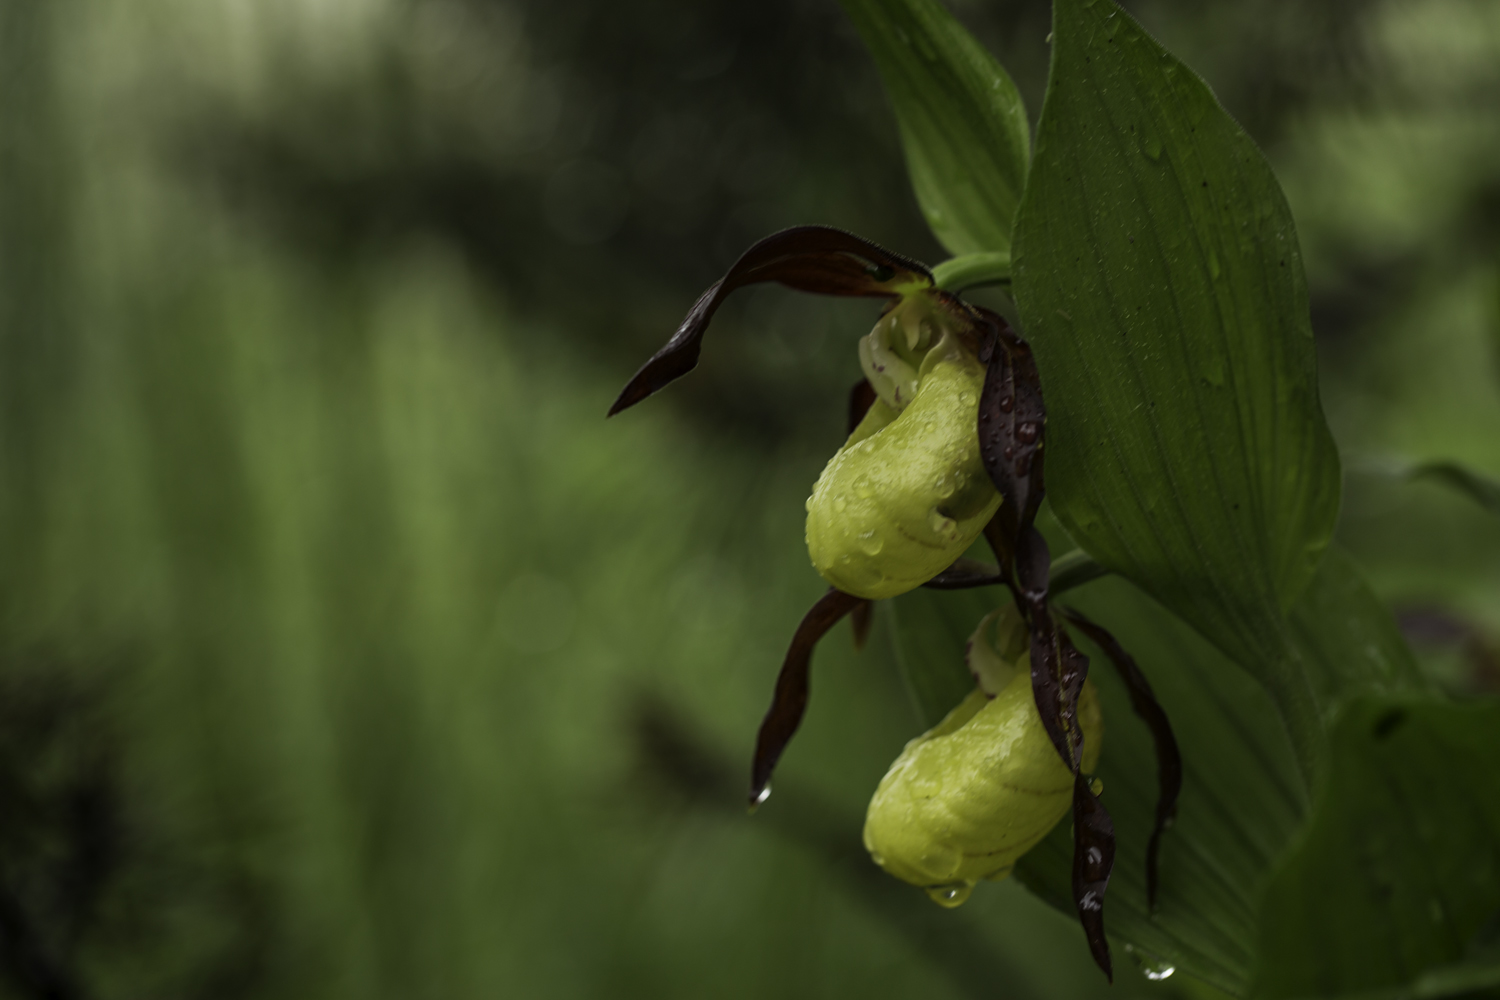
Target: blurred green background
(347, 651)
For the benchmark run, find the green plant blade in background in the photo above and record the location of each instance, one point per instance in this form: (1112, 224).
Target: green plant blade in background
(1476, 486)
(963, 125)
(1158, 276)
(1399, 872)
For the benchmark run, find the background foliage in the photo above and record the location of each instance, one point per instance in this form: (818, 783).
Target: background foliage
(345, 650)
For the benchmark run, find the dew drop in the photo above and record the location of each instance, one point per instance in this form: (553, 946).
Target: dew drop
(1007, 403)
(840, 504)
(760, 797)
(966, 398)
(951, 895)
(1026, 432)
(1097, 786)
(1158, 971)
(1095, 855)
(870, 543)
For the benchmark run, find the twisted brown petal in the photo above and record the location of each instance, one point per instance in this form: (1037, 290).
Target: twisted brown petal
(789, 702)
(816, 259)
(1168, 758)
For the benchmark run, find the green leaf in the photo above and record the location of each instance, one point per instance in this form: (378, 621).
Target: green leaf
(1350, 645)
(1399, 873)
(1157, 272)
(963, 124)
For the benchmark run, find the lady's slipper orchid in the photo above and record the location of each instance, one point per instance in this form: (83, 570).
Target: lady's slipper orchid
(947, 434)
(907, 494)
(967, 798)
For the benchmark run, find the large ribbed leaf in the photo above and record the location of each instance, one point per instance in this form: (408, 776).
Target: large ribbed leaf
(1399, 874)
(963, 125)
(1157, 272)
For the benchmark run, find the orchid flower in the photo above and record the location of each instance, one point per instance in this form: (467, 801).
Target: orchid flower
(946, 442)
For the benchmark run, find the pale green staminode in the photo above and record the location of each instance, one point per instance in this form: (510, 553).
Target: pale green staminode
(967, 798)
(907, 493)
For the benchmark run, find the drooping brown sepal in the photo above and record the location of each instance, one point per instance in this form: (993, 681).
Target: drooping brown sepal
(817, 259)
(1012, 438)
(789, 702)
(1168, 757)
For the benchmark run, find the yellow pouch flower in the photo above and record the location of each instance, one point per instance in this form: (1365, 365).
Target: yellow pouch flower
(967, 798)
(907, 494)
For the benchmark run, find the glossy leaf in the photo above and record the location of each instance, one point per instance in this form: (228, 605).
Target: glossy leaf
(1156, 269)
(963, 125)
(1399, 873)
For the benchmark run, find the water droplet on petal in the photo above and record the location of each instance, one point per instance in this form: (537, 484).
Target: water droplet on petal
(870, 543)
(951, 895)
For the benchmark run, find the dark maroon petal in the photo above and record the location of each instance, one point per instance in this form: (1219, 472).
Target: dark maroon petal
(1093, 860)
(862, 617)
(1012, 423)
(861, 397)
(816, 259)
(1012, 436)
(790, 700)
(1168, 758)
(965, 574)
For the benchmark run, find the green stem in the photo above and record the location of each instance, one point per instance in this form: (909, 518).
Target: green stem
(1073, 569)
(973, 269)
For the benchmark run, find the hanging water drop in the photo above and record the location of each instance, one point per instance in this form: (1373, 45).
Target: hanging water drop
(951, 895)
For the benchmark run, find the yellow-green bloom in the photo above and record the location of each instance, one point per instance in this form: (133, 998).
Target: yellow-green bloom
(967, 798)
(907, 494)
